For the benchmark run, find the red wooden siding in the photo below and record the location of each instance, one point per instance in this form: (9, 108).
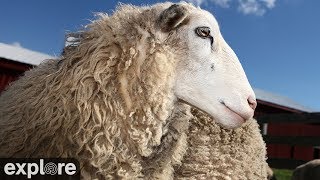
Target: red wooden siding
(10, 71)
(286, 129)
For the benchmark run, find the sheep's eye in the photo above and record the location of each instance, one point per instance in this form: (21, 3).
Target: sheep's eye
(203, 32)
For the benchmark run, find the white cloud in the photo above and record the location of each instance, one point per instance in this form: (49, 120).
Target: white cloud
(197, 2)
(255, 7)
(251, 7)
(269, 3)
(222, 3)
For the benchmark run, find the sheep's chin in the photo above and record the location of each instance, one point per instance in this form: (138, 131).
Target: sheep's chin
(229, 119)
(231, 122)
(226, 118)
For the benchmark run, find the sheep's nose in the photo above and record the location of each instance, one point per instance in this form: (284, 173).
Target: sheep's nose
(252, 102)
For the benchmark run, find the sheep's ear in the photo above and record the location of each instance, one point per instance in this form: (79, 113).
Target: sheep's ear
(172, 17)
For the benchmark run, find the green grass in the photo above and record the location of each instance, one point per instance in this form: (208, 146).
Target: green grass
(282, 174)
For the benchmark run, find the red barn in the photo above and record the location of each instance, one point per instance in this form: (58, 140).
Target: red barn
(269, 103)
(15, 60)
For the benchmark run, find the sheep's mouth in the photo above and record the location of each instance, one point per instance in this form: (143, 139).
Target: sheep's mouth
(235, 114)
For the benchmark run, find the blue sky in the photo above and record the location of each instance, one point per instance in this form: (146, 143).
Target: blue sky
(277, 41)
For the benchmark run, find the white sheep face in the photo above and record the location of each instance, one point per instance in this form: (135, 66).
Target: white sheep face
(211, 77)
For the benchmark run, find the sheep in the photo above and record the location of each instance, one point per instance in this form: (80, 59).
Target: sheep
(224, 154)
(112, 102)
(307, 171)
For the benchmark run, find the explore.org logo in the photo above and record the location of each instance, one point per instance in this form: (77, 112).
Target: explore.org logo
(33, 168)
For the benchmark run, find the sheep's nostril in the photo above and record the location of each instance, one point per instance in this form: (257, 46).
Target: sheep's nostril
(252, 102)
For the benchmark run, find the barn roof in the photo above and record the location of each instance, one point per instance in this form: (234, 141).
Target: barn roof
(22, 55)
(280, 100)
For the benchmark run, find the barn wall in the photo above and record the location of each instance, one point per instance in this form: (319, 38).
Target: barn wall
(286, 129)
(306, 153)
(10, 71)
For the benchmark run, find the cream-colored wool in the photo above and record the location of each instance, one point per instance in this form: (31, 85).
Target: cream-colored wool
(106, 103)
(220, 154)
(109, 103)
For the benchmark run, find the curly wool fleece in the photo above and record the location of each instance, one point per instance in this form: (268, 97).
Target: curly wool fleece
(223, 154)
(106, 103)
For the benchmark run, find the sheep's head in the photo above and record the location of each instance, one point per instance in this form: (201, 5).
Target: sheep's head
(209, 75)
(164, 53)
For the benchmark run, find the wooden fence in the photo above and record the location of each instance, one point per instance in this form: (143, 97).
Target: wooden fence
(311, 119)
